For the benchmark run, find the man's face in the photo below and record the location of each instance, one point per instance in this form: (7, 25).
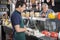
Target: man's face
(23, 7)
(45, 9)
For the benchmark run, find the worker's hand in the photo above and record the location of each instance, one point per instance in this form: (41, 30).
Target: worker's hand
(25, 28)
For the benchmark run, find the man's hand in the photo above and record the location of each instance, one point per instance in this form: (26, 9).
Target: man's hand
(25, 28)
(43, 15)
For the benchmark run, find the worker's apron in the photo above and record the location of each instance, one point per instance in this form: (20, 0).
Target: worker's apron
(20, 35)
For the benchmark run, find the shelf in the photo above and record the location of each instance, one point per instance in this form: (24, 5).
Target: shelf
(36, 18)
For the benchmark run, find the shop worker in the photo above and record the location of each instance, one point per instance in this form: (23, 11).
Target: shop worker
(44, 13)
(17, 21)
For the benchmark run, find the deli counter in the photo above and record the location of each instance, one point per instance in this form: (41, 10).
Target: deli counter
(34, 26)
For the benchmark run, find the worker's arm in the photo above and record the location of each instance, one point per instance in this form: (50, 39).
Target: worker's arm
(16, 20)
(18, 29)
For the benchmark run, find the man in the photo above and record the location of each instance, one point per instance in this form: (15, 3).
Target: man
(45, 10)
(17, 22)
(44, 13)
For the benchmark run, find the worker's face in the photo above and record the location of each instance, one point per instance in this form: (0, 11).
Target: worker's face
(45, 9)
(23, 8)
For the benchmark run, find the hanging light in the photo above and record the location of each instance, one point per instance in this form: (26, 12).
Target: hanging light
(53, 4)
(40, 6)
(42, 0)
(47, 0)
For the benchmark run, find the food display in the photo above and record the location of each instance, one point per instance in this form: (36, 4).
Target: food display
(27, 14)
(23, 14)
(7, 23)
(54, 34)
(46, 33)
(32, 14)
(36, 14)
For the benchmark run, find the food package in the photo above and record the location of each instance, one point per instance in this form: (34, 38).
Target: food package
(54, 34)
(23, 14)
(58, 16)
(27, 14)
(46, 33)
(36, 14)
(51, 16)
(32, 14)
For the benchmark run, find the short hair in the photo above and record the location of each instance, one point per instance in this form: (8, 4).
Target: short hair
(19, 3)
(44, 5)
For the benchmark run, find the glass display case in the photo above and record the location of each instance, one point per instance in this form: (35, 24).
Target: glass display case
(31, 15)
